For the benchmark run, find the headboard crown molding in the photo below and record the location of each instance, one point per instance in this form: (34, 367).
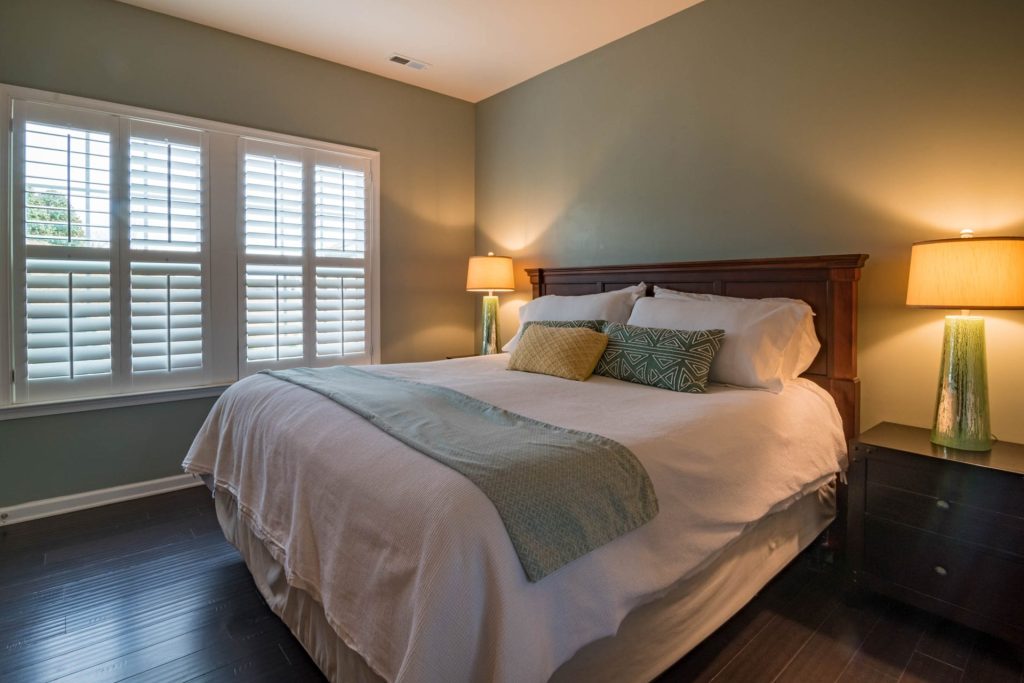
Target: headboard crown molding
(827, 283)
(855, 261)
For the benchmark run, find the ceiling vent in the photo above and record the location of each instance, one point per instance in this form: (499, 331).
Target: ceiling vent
(408, 61)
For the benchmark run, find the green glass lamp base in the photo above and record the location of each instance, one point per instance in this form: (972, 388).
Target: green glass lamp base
(961, 409)
(490, 323)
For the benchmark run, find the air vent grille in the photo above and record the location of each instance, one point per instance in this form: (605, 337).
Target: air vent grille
(409, 62)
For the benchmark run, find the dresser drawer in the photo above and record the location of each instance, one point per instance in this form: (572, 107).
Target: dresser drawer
(949, 571)
(957, 520)
(978, 487)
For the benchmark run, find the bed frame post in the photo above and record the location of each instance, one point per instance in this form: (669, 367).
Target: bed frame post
(842, 371)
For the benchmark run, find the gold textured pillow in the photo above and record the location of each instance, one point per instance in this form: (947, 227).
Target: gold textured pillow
(566, 352)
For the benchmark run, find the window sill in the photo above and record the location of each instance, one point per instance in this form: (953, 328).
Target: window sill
(17, 412)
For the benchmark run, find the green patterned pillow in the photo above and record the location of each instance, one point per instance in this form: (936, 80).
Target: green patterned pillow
(679, 360)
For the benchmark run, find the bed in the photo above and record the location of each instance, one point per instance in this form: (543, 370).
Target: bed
(388, 565)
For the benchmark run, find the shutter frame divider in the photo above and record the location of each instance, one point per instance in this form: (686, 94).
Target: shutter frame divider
(309, 256)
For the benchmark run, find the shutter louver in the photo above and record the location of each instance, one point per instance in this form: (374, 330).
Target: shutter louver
(273, 206)
(167, 317)
(340, 212)
(68, 319)
(340, 312)
(273, 313)
(166, 196)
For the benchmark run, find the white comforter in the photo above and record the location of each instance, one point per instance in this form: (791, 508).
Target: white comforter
(411, 561)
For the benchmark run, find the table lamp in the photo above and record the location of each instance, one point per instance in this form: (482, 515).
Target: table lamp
(965, 273)
(490, 274)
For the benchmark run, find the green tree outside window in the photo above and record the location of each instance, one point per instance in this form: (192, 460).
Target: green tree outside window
(46, 219)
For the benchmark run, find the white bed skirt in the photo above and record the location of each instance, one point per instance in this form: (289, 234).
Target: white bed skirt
(651, 638)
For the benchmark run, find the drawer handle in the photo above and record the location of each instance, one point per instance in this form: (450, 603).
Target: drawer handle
(941, 504)
(940, 570)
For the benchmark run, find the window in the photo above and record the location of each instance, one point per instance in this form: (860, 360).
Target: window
(304, 227)
(152, 252)
(168, 249)
(63, 252)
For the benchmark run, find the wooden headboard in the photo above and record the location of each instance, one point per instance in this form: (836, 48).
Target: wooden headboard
(827, 283)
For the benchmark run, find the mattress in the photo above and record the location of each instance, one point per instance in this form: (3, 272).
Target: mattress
(408, 559)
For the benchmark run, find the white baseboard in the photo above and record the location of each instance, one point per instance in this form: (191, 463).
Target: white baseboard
(89, 499)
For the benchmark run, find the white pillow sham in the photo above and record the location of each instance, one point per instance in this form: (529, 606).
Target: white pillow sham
(764, 341)
(805, 346)
(614, 306)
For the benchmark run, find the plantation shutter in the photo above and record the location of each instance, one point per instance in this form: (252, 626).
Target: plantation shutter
(273, 260)
(168, 254)
(65, 318)
(110, 254)
(341, 204)
(305, 240)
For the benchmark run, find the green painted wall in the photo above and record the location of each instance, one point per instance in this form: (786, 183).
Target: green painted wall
(115, 52)
(748, 128)
(56, 455)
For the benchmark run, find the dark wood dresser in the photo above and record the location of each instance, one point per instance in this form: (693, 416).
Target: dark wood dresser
(939, 528)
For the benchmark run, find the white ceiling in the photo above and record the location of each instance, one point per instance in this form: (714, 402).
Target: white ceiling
(475, 48)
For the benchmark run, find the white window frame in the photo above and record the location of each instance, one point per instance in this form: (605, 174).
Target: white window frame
(224, 265)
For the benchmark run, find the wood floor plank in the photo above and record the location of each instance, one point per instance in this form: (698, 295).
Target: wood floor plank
(925, 669)
(831, 647)
(861, 671)
(169, 532)
(948, 642)
(29, 634)
(238, 637)
(82, 591)
(144, 659)
(266, 664)
(221, 649)
(770, 651)
(709, 658)
(890, 644)
(993, 661)
(75, 652)
(14, 584)
(182, 595)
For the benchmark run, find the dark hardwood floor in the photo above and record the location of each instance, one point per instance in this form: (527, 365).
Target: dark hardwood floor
(146, 590)
(149, 590)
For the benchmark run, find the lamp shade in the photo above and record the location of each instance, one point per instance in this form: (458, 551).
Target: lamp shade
(979, 272)
(490, 274)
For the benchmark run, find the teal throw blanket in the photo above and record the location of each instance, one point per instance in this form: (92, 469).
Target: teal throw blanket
(560, 493)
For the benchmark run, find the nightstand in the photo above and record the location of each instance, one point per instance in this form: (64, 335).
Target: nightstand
(939, 528)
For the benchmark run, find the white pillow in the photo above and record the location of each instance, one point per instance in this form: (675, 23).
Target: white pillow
(614, 306)
(805, 347)
(763, 339)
